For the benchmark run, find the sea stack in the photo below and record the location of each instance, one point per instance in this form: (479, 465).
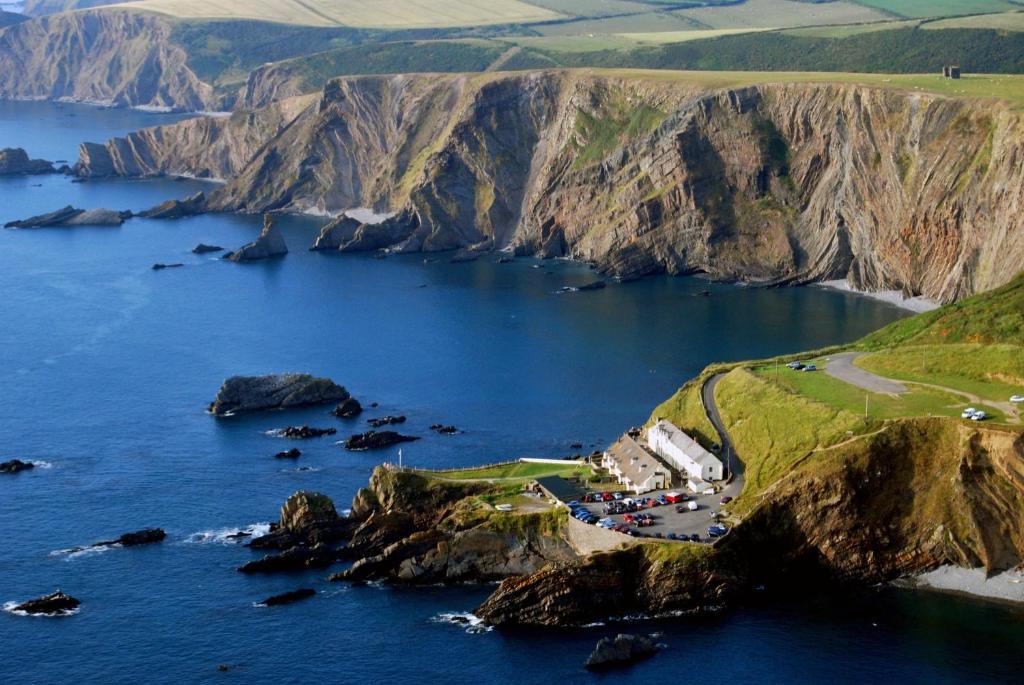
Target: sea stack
(270, 243)
(275, 391)
(15, 162)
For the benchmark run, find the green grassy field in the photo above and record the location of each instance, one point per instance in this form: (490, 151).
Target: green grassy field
(389, 14)
(515, 471)
(993, 372)
(938, 8)
(841, 395)
(773, 428)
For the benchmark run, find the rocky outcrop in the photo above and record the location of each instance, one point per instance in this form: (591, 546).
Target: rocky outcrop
(289, 597)
(203, 248)
(622, 650)
(270, 243)
(386, 421)
(54, 604)
(146, 536)
(295, 558)
(337, 233)
(71, 216)
(16, 466)
(276, 391)
(293, 453)
(160, 266)
(375, 440)
(307, 518)
(15, 162)
(348, 408)
(771, 183)
(177, 209)
(109, 56)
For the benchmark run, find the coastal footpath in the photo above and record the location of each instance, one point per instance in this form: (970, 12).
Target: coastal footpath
(885, 189)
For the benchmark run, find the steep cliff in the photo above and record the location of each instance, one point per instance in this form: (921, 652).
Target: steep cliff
(114, 57)
(775, 183)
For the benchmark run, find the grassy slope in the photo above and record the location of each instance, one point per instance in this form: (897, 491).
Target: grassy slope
(515, 471)
(937, 8)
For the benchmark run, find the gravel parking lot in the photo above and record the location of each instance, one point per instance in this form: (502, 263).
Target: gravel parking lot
(666, 519)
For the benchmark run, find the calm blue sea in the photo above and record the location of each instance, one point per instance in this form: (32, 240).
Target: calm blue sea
(106, 367)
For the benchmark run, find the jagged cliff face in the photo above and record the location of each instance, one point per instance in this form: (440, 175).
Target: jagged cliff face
(111, 57)
(770, 183)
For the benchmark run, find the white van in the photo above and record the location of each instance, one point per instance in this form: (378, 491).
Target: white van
(692, 506)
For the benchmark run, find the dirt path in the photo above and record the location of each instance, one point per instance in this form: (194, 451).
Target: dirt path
(728, 453)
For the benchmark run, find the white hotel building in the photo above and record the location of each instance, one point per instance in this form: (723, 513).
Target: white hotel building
(683, 452)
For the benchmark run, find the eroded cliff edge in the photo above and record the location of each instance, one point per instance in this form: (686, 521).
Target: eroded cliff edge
(774, 183)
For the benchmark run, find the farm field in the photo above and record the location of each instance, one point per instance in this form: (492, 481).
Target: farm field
(388, 14)
(1006, 21)
(938, 8)
(781, 14)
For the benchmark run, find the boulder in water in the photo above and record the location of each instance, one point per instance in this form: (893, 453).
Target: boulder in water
(160, 266)
(293, 453)
(270, 243)
(16, 465)
(292, 559)
(203, 248)
(348, 408)
(54, 604)
(306, 432)
(289, 597)
(274, 391)
(15, 162)
(621, 650)
(373, 440)
(386, 421)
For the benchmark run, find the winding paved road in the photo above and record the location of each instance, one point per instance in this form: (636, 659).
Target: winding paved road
(728, 452)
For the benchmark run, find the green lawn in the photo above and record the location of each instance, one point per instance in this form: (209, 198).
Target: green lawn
(820, 386)
(517, 471)
(993, 372)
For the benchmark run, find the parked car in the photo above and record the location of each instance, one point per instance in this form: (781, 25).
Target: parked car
(675, 497)
(717, 531)
(795, 365)
(607, 496)
(692, 506)
(967, 413)
(661, 500)
(810, 367)
(617, 495)
(695, 537)
(725, 499)
(1017, 398)
(979, 415)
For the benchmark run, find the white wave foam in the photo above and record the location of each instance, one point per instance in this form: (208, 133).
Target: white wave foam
(79, 552)
(274, 432)
(9, 608)
(471, 622)
(40, 464)
(229, 536)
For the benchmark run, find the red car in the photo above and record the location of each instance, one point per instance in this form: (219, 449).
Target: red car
(606, 497)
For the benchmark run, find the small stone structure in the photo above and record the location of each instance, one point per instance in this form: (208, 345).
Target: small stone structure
(951, 72)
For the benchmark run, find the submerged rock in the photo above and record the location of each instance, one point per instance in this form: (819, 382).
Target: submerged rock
(289, 597)
(443, 429)
(159, 266)
(53, 604)
(15, 162)
(386, 421)
(16, 465)
(72, 216)
(305, 432)
(274, 391)
(596, 285)
(336, 233)
(373, 440)
(203, 248)
(146, 536)
(270, 243)
(177, 209)
(293, 453)
(621, 651)
(348, 408)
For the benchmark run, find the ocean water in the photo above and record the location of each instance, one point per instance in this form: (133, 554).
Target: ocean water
(106, 367)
